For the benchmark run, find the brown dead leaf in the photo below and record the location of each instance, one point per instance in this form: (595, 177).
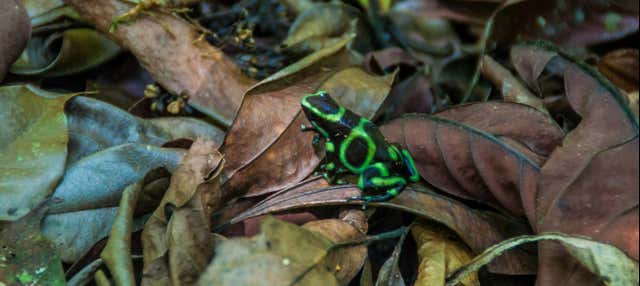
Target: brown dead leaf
(266, 149)
(511, 88)
(589, 185)
(465, 221)
(167, 47)
(15, 30)
(621, 68)
(466, 157)
(177, 244)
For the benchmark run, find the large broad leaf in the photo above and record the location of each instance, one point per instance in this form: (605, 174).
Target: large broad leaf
(79, 50)
(266, 149)
(33, 147)
(14, 32)
(28, 258)
(168, 47)
(95, 125)
(611, 266)
(465, 161)
(589, 185)
(463, 220)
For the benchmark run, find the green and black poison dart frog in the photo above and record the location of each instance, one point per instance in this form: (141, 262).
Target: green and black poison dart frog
(354, 145)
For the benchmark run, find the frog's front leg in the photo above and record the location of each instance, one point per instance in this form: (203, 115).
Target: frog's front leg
(376, 179)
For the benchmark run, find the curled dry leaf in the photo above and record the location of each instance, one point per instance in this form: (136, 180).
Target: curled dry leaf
(168, 48)
(611, 265)
(177, 244)
(27, 257)
(117, 253)
(621, 67)
(511, 88)
(453, 154)
(33, 147)
(266, 150)
(65, 53)
(589, 185)
(440, 254)
(389, 274)
(463, 220)
(15, 30)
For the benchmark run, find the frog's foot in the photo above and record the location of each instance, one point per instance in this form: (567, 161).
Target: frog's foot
(377, 198)
(305, 128)
(329, 177)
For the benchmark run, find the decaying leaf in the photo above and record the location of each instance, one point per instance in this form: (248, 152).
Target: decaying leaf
(177, 244)
(589, 185)
(33, 147)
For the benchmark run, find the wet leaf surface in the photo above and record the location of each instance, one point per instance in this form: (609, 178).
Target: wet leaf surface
(570, 197)
(33, 147)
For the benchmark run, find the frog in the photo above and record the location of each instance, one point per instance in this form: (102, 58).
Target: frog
(354, 145)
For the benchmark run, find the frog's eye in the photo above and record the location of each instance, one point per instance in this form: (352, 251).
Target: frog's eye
(321, 103)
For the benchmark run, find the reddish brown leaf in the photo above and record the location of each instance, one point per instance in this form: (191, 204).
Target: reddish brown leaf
(589, 185)
(15, 29)
(265, 148)
(465, 221)
(621, 67)
(480, 155)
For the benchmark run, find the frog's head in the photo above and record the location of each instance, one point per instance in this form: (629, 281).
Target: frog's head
(321, 109)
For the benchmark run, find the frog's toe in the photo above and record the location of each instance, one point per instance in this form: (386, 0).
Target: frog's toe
(341, 182)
